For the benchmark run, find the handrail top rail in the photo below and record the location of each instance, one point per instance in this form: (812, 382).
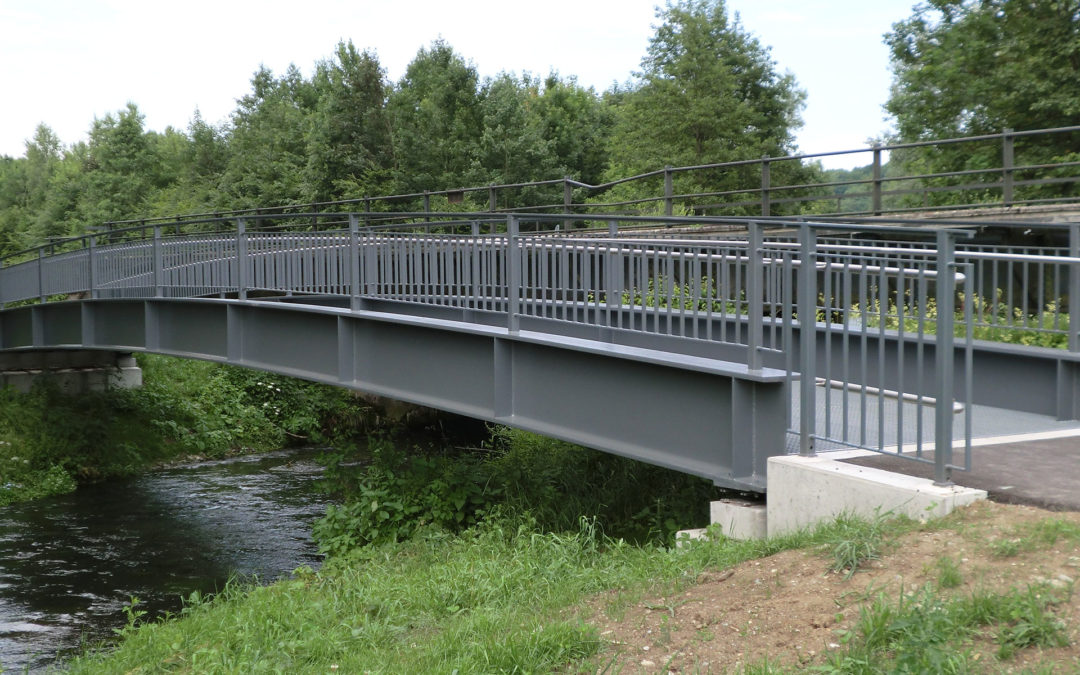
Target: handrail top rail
(567, 181)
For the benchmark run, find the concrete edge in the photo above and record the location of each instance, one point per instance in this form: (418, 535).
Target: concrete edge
(805, 491)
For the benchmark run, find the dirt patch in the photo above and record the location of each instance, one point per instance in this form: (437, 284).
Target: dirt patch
(789, 608)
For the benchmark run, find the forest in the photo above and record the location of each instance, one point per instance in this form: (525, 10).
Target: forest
(708, 92)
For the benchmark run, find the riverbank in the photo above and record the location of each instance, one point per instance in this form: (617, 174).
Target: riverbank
(51, 442)
(70, 563)
(988, 589)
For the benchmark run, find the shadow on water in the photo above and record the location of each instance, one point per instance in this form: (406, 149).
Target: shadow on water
(69, 564)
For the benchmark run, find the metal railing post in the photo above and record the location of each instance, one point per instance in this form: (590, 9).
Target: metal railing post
(567, 194)
(669, 191)
(943, 357)
(41, 274)
(158, 292)
(765, 186)
(241, 259)
(613, 263)
(876, 191)
(493, 201)
(427, 204)
(755, 297)
(1074, 289)
(1007, 162)
(91, 281)
(513, 271)
(354, 262)
(807, 290)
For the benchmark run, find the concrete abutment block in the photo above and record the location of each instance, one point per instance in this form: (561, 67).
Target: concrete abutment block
(805, 491)
(739, 518)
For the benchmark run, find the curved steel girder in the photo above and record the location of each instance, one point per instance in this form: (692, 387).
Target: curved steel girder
(702, 416)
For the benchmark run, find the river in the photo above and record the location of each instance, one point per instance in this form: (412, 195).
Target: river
(69, 564)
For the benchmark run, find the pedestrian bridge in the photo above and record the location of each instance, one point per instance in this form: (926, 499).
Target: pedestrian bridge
(637, 336)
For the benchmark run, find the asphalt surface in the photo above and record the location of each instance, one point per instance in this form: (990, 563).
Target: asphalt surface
(1043, 473)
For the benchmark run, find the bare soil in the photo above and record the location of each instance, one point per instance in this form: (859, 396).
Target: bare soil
(789, 608)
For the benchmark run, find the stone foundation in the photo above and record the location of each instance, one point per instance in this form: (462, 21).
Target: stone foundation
(73, 371)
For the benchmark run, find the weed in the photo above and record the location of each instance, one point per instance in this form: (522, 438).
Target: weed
(920, 631)
(1005, 548)
(853, 541)
(948, 573)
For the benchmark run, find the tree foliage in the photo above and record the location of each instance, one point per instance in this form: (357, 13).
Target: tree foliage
(437, 121)
(970, 67)
(964, 67)
(708, 92)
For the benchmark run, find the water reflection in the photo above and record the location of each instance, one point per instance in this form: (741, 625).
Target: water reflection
(68, 565)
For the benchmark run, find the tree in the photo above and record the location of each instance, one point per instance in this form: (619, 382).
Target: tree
(268, 142)
(512, 147)
(708, 92)
(578, 125)
(972, 67)
(349, 145)
(964, 67)
(436, 120)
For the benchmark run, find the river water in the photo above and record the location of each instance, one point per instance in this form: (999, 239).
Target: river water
(69, 564)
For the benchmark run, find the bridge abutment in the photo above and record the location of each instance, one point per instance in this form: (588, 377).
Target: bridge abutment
(73, 371)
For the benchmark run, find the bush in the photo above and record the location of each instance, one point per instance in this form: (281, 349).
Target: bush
(50, 440)
(390, 494)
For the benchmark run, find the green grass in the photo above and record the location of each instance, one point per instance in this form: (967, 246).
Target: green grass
(927, 632)
(503, 597)
(1035, 535)
(496, 598)
(948, 572)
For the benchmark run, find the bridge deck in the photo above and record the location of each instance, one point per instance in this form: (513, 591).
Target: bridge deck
(1036, 469)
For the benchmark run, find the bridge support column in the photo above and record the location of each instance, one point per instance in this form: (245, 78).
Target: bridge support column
(73, 371)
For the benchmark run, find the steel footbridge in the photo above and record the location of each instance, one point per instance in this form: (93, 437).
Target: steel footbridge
(701, 344)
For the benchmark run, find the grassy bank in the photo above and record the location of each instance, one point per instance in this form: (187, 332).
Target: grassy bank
(492, 599)
(50, 442)
(504, 597)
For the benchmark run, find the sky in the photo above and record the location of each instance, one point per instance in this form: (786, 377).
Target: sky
(67, 62)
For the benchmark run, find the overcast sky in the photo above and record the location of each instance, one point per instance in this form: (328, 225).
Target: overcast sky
(65, 62)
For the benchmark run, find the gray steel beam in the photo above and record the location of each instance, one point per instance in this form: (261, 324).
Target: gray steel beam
(710, 418)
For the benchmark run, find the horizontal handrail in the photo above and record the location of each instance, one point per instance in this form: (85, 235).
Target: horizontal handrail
(764, 189)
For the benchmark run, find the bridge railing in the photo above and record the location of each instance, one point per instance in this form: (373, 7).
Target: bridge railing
(1002, 169)
(872, 324)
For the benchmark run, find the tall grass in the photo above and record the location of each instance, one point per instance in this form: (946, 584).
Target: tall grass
(499, 597)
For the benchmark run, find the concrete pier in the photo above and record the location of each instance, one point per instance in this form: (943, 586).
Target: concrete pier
(73, 371)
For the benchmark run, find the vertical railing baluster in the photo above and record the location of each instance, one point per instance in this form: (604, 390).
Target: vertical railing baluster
(807, 291)
(765, 184)
(241, 259)
(354, 262)
(876, 188)
(1074, 288)
(91, 281)
(157, 262)
(41, 274)
(1007, 161)
(669, 192)
(943, 376)
(513, 271)
(755, 299)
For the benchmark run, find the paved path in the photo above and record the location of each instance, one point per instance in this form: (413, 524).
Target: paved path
(1041, 472)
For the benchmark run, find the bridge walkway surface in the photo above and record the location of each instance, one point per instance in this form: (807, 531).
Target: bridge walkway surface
(1017, 457)
(1037, 469)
